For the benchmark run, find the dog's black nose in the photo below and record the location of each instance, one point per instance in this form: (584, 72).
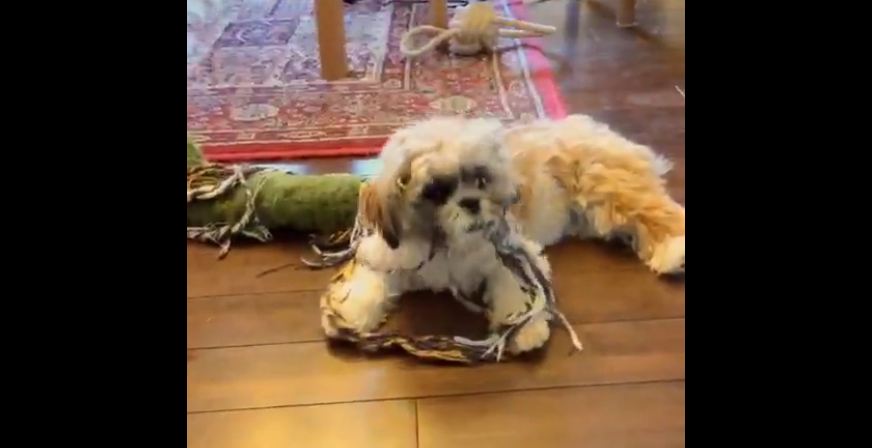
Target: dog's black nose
(471, 204)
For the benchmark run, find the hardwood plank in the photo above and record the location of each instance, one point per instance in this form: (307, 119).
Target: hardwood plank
(661, 129)
(315, 373)
(238, 272)
(383, 424)
(662, 98)
(254, 319)
(621, 67)
(585, 297)
(661, 15)
(591, 51)
(635, 415)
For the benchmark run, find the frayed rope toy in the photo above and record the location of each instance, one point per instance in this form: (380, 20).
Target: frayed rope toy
(228, 201)
(513, 255)
(473, 28)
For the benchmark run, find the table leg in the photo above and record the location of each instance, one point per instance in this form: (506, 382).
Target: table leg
(331, 39)
(439, 13)
(627, 13)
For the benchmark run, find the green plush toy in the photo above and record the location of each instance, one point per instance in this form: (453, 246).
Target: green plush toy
(195, 157)
(225, 201)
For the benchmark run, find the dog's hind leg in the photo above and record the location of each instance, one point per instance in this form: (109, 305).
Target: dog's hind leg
(617, 201)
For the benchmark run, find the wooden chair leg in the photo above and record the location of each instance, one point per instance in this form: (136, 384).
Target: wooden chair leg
(331, 39)
(439, 13)
(627, 13)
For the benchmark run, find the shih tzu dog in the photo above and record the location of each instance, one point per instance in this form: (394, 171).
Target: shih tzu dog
(447, 183)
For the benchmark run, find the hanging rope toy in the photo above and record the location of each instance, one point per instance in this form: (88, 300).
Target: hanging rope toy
(473, 28)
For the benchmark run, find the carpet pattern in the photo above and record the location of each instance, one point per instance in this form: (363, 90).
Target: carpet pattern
(254, 90)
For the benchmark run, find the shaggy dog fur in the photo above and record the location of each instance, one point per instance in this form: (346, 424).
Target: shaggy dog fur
(445, 181)
(579, 178)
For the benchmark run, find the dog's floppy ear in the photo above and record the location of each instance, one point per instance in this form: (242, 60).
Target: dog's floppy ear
(379, 207)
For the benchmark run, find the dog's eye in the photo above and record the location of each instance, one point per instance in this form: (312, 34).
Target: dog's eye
(439, 190)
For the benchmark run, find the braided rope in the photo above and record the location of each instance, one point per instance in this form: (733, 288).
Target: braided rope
(513, 256)
(211, 181)
(473, 28)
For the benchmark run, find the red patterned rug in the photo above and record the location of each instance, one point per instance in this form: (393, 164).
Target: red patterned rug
(255, 93)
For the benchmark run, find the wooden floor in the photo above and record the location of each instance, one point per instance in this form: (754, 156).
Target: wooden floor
(261, 375)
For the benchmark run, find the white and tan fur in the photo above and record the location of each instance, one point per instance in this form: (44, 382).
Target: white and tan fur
(572, 177)
(579, 178)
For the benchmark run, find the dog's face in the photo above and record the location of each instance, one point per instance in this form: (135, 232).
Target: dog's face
(448, 175)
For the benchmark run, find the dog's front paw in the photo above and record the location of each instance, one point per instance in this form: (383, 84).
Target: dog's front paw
(531, 336)
(668, 257)
(355, 300)
(331, 330)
